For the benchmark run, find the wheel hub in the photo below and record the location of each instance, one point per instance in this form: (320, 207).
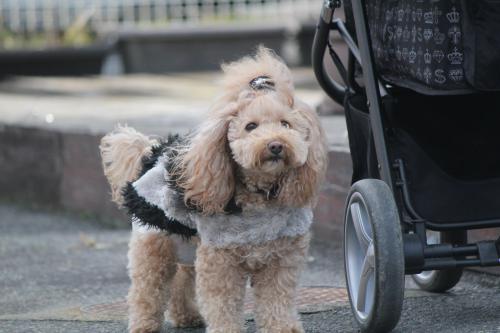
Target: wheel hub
(360, 261)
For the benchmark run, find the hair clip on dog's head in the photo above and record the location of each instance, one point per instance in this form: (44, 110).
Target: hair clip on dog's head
(262, 82)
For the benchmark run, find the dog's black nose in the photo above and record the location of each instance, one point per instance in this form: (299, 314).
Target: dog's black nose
(275, 147)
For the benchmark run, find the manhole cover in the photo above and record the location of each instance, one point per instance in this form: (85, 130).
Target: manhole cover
(308, 299)
(118, 308)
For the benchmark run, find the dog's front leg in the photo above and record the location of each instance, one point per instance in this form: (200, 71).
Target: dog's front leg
(152, 265)
(220, 288)
(182, 308)
(275, 288)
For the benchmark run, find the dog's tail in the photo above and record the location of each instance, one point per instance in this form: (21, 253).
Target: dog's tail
(122, 152)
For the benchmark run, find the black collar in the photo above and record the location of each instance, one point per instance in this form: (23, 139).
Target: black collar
(232, 207)
(271, 193)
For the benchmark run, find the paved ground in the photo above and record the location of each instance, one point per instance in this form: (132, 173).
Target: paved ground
(64, 274)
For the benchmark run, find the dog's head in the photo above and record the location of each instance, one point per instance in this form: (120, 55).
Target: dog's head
(268, 137)
(256, 126)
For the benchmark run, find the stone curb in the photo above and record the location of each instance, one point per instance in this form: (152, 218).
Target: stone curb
(62, 170)
(55, 170)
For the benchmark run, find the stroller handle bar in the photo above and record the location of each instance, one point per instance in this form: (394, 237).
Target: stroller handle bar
(334, 89)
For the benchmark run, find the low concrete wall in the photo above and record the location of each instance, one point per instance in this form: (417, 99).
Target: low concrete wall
(63, 171)
(55, 170)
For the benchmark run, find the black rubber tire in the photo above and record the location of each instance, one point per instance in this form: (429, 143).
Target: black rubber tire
(443, 280)
(389, 257)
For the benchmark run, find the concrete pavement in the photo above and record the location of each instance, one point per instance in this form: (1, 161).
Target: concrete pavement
(62, 273)
(58, 269)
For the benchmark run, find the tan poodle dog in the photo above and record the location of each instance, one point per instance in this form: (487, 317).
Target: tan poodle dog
(242, 188)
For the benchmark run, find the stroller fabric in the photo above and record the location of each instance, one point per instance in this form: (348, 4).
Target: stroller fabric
(452, 169)
(436, 47)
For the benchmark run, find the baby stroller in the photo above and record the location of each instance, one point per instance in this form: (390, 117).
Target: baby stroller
(421, 94)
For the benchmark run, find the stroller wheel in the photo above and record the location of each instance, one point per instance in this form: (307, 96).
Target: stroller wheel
(373, 256)
(441, 281)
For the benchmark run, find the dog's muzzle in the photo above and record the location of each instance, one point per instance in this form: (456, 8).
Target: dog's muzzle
(275, 147)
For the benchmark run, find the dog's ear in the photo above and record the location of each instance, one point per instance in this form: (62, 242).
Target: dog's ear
(301, 185)
(207, 171)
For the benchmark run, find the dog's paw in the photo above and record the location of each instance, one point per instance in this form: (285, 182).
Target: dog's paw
(184, 321)
(290, 330)
(294, 329)
(139, 330)
(146, 326)
(224, 330)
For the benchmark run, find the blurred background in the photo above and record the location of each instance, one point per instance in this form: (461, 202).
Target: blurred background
(116, 36)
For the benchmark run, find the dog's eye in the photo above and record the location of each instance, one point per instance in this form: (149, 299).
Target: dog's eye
(251, 126)
(285, 124)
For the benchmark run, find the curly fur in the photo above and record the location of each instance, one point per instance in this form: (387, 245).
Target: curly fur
(204, 167)
(301, 185)
(152, 267)
(182, 310)
(121, 153)
(273, 269)
(222, 164)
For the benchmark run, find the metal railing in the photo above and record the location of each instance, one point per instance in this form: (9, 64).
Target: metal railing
(35, 16)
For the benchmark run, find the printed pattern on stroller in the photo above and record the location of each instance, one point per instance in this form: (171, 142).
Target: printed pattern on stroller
(421, 94)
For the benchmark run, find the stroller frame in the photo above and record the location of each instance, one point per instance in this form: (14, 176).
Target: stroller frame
(414, 253)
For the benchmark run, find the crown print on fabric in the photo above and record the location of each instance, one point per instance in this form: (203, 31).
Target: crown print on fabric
(455, 57)
(438, 55)
(401, 15)
(453, 16)
(388, 14)
(419, 43)
(406, 34)
(439, 37)
(429, 17)
(427, 57)
(399, 32)
(428, 34)
(436, 13)
(405, 53)
(412, 56)
(416, 15)
(456, 74)
(455, 34)
(427, 75)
